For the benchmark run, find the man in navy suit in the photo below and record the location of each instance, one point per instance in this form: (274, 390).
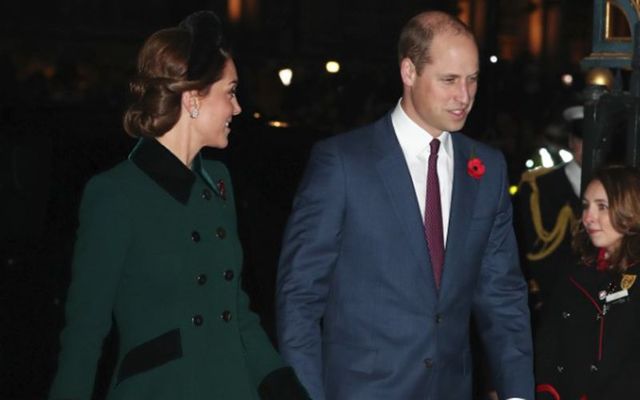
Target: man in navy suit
(365, 309)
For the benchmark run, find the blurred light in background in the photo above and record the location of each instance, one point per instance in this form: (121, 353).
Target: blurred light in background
(529, 164)
(513, 189)
(285, 75)
(278, 124)
(600, 76)
(234, 8)
(332, 67)
(493, 59)
(567, 79)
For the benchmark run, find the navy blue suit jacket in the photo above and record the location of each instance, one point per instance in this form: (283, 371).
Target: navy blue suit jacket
(359, 316)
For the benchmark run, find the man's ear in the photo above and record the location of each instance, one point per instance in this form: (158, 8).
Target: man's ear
(407, 72)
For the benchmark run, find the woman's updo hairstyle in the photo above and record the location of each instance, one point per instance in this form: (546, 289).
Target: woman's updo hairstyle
(188, 57)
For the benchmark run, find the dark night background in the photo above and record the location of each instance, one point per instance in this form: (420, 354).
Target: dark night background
(64, 67)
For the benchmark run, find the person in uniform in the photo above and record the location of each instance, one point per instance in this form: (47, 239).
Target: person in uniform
(548, 205)
(157, 247)
(587, 345)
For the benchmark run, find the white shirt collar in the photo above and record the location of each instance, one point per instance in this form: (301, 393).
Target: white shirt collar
(414, 140)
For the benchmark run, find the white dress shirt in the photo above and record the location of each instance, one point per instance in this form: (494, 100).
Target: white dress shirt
(414, 142)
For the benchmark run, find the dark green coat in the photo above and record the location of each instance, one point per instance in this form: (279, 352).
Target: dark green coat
(158, 250)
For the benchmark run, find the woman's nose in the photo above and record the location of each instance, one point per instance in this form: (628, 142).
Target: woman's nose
(587, 216)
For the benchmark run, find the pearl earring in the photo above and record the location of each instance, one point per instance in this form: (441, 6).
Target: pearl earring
(194, 112)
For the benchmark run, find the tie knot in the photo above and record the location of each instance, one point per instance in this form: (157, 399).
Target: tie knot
(435, 145)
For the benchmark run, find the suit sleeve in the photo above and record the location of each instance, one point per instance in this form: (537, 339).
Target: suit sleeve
(102, 239)
(310, 248)
(500, 303)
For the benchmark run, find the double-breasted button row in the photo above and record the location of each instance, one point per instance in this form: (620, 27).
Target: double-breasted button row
(201, 279)
(198, 319)
(221, 233)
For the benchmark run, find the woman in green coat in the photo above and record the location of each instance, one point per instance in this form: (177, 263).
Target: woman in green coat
(157, 251)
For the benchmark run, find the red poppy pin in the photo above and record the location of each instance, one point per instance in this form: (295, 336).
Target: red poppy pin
(475, 166)
(221, 190)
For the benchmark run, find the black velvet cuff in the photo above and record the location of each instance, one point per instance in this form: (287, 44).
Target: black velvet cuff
(282, 384)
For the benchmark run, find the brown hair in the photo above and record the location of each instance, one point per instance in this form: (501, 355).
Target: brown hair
(417, 35)
(165, 69)
(622, 185)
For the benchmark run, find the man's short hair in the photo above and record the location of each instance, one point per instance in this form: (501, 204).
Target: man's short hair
(417, 35)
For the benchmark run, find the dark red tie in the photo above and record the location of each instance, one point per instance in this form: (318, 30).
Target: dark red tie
(433, 214)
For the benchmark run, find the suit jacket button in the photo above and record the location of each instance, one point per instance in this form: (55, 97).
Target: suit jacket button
(206, 194)
(195, 236)
(201, 279)
(438, 318)
(228, 275)
(197, 320)
(566, 314)
(428, 363)
(593, 368)
(226, 315)
(221, 233)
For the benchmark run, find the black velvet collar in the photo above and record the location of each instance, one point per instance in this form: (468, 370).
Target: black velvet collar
(164, 168)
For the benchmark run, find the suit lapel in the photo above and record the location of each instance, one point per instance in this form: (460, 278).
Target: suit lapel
(463, 198)
(393, 171)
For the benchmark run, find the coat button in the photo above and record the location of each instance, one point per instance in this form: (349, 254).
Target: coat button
(438, 318)
(228, 275)
(565, 314)
(560, 368)
(195, 236)
(226, 315)
(201, 279)
(221, 233)
(206, 194)
(593, 368)
(197, 320)
(428, 363)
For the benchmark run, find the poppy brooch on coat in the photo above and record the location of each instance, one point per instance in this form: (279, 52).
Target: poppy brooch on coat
(221, 190)
(475, 166)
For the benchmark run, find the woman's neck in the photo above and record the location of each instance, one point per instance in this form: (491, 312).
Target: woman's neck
(177, 142)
